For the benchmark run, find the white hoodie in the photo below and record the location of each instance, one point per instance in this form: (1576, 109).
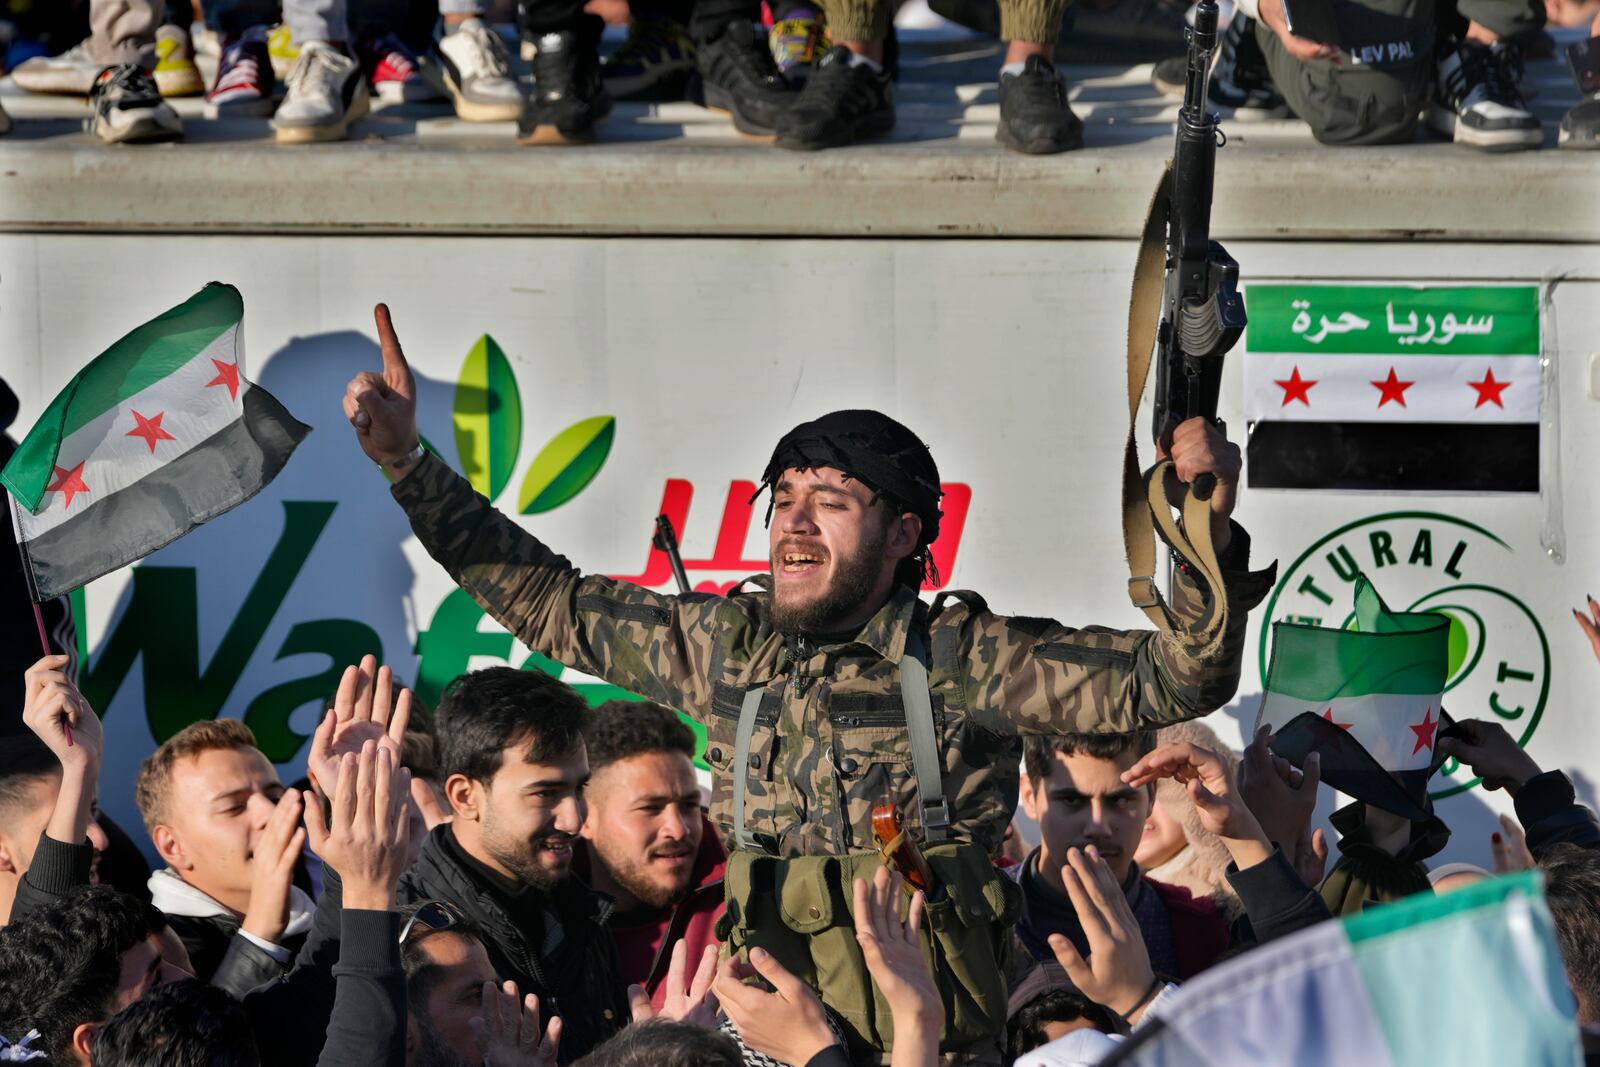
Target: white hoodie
(173, 896)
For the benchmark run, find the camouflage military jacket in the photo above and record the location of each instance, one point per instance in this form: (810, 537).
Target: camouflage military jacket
(830, 741)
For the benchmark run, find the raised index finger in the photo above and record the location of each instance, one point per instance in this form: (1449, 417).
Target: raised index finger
(396, 371)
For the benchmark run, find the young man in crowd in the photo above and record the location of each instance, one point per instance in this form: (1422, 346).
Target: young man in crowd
(71, 965)
(512, 757)
(647, 843)
(1094, 793)
(229, 834)
(460, 1013)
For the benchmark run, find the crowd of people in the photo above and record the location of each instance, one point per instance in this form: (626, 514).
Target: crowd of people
(805, 74)
(518, 880)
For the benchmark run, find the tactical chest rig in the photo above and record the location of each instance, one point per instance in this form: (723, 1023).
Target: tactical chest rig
(799, 908)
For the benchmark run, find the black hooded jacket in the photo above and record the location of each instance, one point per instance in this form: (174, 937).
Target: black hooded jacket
(555, 945)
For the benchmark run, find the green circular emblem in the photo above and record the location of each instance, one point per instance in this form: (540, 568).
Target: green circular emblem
(1427, 561)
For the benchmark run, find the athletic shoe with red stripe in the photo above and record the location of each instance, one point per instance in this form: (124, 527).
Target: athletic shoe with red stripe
(392, 70)
(244, 77)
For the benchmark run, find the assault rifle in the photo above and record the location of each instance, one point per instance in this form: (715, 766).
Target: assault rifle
(666, 539)
(1202, 313)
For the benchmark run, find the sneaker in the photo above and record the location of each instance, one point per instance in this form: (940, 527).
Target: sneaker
(1580, 126)
(128, 109)
(176, 74)
(477, 74)
(739, 76)
(1476, 102)
(841, 104)
(1170, 76)
(392, 70)
(283, 51)
(1035, 117)
(797, 42)
(569, 99)
(72, 73)
(245, 80)
(654, 63)
(1239, 78)
(327, 92)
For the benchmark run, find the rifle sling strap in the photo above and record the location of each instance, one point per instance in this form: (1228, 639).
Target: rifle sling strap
(1145, 513)
(920, 728)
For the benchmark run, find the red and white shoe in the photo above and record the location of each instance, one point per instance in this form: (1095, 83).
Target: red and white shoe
(244, 77)
(393, 71)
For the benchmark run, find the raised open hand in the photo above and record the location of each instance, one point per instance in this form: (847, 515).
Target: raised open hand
(1590, 623)
(364, 709)
(1209, 783)
(1118, 972)
(893, 946)
(383, 407)
(367, 826)
(689, 1002)
(507, 1032)
(1510, 848)
(789, 1023)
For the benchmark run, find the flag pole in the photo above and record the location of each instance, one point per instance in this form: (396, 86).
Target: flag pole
(38, 614)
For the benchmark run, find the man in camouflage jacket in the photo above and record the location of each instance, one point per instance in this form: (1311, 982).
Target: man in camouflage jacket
(830, 740)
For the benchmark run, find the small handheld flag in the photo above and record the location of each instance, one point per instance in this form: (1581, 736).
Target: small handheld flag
(1366, 699)
(160, 433)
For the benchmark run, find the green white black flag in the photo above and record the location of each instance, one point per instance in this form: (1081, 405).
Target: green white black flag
(160, 433)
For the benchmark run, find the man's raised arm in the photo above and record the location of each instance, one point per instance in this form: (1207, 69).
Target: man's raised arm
(645, 642)
(1037, 676)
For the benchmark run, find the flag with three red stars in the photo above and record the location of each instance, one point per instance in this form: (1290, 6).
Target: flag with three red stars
(1366, 698)
(1388, 387)
(160, 433)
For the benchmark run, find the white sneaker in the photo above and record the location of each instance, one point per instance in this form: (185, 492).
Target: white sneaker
(72, 73)
(327, 93)
(477, 74)
(128, 108)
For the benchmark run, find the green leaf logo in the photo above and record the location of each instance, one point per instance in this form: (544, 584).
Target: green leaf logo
(567, 464)
(488, 418)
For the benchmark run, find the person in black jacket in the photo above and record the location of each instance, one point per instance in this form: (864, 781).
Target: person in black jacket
(512, 757)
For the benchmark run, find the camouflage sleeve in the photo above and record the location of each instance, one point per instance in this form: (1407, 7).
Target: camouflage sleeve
(1037, 676)
(647, 643)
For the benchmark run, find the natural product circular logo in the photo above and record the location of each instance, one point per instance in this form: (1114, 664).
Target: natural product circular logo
(1426, 561)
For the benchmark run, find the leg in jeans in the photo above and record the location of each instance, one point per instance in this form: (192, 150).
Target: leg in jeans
(375, 18)
(709, 17)
(1373, 102)
(230, 18)
(1459, 19)
(123, 31)
(536, 18)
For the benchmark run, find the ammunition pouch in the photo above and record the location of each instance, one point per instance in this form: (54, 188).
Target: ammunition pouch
(800, 909)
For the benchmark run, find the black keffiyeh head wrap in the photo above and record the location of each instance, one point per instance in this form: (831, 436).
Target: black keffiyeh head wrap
(879, 453)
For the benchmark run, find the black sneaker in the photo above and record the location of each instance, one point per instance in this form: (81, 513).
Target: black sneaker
(1476, 101)
(569, 98)
(654, 63)
(739, 76)
(1170, 76)
(841, 104)
(1034, 114)
(1580, 126)
(126, 108)
(1240, 79)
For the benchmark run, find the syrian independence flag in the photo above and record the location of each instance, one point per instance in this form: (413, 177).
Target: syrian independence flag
(159, 434)
(1472, 978)
(1366, 699)
(1381, 387)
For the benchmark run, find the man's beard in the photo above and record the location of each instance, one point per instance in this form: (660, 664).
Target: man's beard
(431, 1050)
(633, 876)
(520, 856)
(853, 582)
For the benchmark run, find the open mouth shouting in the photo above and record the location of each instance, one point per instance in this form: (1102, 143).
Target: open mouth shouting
(797, 560)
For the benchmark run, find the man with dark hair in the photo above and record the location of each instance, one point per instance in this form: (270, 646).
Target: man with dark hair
(1053, 1014)
(184, 1024)
(1572, 889)
(647, 842)
(1074, 789)
(71, 965)
(833, 689)
(512, 757)
(662, 1043)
